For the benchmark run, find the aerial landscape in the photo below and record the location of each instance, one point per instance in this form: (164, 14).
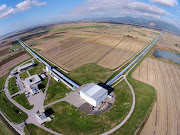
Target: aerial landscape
(90, 67)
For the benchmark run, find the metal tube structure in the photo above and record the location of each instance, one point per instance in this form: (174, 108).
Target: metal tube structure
(124, 70)
(64, 79)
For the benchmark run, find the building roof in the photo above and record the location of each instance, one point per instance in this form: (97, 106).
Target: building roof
(32, 80)
(48, 68)
(25, 66)
(94, 91)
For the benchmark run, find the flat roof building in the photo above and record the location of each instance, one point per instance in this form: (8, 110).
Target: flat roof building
(25, 67)
(93, 94)
(32, 83)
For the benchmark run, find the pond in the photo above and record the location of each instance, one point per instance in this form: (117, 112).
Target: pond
(167, 55)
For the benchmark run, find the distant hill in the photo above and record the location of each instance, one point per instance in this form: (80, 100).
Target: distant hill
(137, 21)
(144, 22)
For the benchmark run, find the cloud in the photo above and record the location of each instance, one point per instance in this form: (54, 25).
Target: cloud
(22, 6)
(3, 7)
(166, 3)
(178, 11)
(115, 8)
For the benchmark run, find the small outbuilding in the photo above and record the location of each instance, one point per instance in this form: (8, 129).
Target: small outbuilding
(93, 94)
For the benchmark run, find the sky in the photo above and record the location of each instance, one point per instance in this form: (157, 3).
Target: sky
(20, 14)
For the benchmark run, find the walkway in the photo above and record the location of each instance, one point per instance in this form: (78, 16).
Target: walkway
(32, 119)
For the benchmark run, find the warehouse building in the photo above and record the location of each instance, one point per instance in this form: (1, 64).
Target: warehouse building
(93, 94)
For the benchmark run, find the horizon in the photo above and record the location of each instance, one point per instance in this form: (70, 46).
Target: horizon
(23, 14)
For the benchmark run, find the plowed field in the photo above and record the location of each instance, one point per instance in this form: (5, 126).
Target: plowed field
(165, 116)
(9, 63)
(106, 51)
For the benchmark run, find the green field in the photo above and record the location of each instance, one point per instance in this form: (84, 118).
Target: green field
(4, 129)
(71, 28)
(31, 129)
(17, 46)
(69, 120)
(12, 81)
(145, 97)
(36, 69)
(90, 73)
(36, 49)
(52, 81)
(51, 37)
(2, 81)
(24, 75)
(56, 91)
(11, 111)
(22, 100)
(13, 89)
(43, 84)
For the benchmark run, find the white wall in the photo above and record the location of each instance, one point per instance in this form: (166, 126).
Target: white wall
(87, 99)
(92, 101)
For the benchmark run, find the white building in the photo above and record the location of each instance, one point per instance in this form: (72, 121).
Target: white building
(25, 67)
(93, 94)
(48, 68)
(32, 83)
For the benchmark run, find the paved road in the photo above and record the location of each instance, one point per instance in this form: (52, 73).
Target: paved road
(19, 127)
(134, 61)
(10, 99)
(129, 114)
(31, 113)
(133, 103)
(55, 102)
(49, 130)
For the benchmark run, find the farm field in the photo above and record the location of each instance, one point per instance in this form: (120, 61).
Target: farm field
(102, 44)
(169, 41)
(11, 62)
(4, 49)
(165, 78)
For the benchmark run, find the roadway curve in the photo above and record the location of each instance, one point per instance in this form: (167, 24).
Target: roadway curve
(130, 112)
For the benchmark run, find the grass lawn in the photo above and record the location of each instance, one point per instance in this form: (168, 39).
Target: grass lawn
(24, 75)
(11, 111)
(22, 100)
(69, 120)
(36, 69)
(31, 129)
(13, 89)
(68, 28)
(17, 46)
(12, 81)
(36, 49)
(5, 128)
(28, 61)
(145, 96)
(90, 73)
(51, 37)
(52, 81)
(43, 84)
(56, 91)
(2, 81)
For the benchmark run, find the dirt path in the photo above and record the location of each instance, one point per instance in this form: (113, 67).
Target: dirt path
(165, 116)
